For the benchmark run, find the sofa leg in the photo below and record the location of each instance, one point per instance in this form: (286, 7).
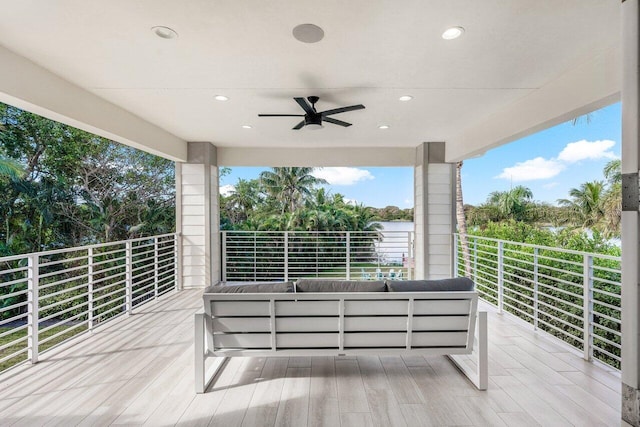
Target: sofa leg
(480, 376)
(203, 377)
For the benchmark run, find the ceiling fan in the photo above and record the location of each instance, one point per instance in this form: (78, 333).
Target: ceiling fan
(312, 118)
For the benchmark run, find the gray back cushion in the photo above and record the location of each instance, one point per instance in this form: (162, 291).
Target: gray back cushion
(251, 288)
(443, 285)
(321, 285)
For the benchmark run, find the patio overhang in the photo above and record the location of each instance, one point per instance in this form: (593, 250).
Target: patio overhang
(519, 68)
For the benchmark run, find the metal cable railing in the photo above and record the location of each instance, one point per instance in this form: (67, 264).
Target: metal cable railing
(290, 255)
(572, 295)
(49, 297)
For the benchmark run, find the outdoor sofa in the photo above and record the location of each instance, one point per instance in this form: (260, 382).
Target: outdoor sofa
(339, 317)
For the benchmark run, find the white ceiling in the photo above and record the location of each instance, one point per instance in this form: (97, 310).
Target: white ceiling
(373, 52)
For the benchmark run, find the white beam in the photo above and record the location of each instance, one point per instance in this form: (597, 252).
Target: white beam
(30, 87)
(316, 157)
(593, 84)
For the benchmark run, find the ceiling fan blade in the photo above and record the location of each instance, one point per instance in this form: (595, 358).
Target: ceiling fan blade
(305, 105)
(342, 110)
(335, 121)
(280, 115)
(299, 125)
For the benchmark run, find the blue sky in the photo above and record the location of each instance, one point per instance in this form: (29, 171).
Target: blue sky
(549, 163)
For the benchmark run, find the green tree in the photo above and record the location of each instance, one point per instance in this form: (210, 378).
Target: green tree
(585, 205)
(513, 203)
(290, 186)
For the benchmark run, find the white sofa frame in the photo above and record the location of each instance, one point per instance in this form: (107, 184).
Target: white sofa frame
(336, 324)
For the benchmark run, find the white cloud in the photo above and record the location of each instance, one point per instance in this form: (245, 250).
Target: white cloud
(225, 190)
(529, 170)
(343, 176)
(583, 150)
(550, 185)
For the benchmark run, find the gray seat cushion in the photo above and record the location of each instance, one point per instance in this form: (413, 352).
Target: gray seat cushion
(321, 285)
(251, 288)
(443, 285)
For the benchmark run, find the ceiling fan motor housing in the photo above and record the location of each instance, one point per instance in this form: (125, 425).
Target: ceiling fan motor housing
(313, 119)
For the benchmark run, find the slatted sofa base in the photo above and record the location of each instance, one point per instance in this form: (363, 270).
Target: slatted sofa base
(335, 324)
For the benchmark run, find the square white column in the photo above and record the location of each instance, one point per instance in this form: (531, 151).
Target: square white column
(434, 212)
(198, 216)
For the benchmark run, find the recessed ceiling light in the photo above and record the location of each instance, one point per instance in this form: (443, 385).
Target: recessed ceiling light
(221, 98)
(246, 127)
(406, 98)
(383, 127)
(452, 33)
(308, 33)
(164, 32)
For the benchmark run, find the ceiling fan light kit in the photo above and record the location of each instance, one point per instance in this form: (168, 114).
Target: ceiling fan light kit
(312, 119)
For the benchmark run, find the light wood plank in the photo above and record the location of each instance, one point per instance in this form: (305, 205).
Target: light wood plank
(400, 381)
(481, 414)
(294, 402)
(596, 388)
(263, 408)
(351, 394)
(418, 415)
(324, 412)
(299, 362)
(385, 410)
(539, 410)
(235, 402)
(518, 419)
(443, 406)
(202, 408)
(552, 395)
(587, 401)
(356, 419)
(372, 372)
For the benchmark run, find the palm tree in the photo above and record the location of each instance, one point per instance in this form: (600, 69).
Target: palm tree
(586, 204)
(290, 185)
(243, 199)
(513, 203)
(462, 221)
(10, 168)
(613, 171)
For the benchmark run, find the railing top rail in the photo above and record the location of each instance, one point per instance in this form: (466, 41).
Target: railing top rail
(81, 248)
(314, 232)
(550, 248)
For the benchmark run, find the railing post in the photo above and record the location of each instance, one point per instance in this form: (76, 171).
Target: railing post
(535, 288)
(177, 261)
(33, 308)
(224, 256)
(348, 260)
(255, 256)
(155, 267)
(129, 277)
(90, 288)
(500, 276)
(475, 261)
(286, 256)
(455, 255)
(587, 272)
(410, 261)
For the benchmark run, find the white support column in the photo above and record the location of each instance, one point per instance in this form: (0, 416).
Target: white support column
(434, 193)
(198, 216)
(630, 219)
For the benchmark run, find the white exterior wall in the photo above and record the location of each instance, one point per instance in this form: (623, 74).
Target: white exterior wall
(433, 213)
(198, 216)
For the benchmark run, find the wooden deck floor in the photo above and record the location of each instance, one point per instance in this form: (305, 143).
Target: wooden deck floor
(139, 370)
